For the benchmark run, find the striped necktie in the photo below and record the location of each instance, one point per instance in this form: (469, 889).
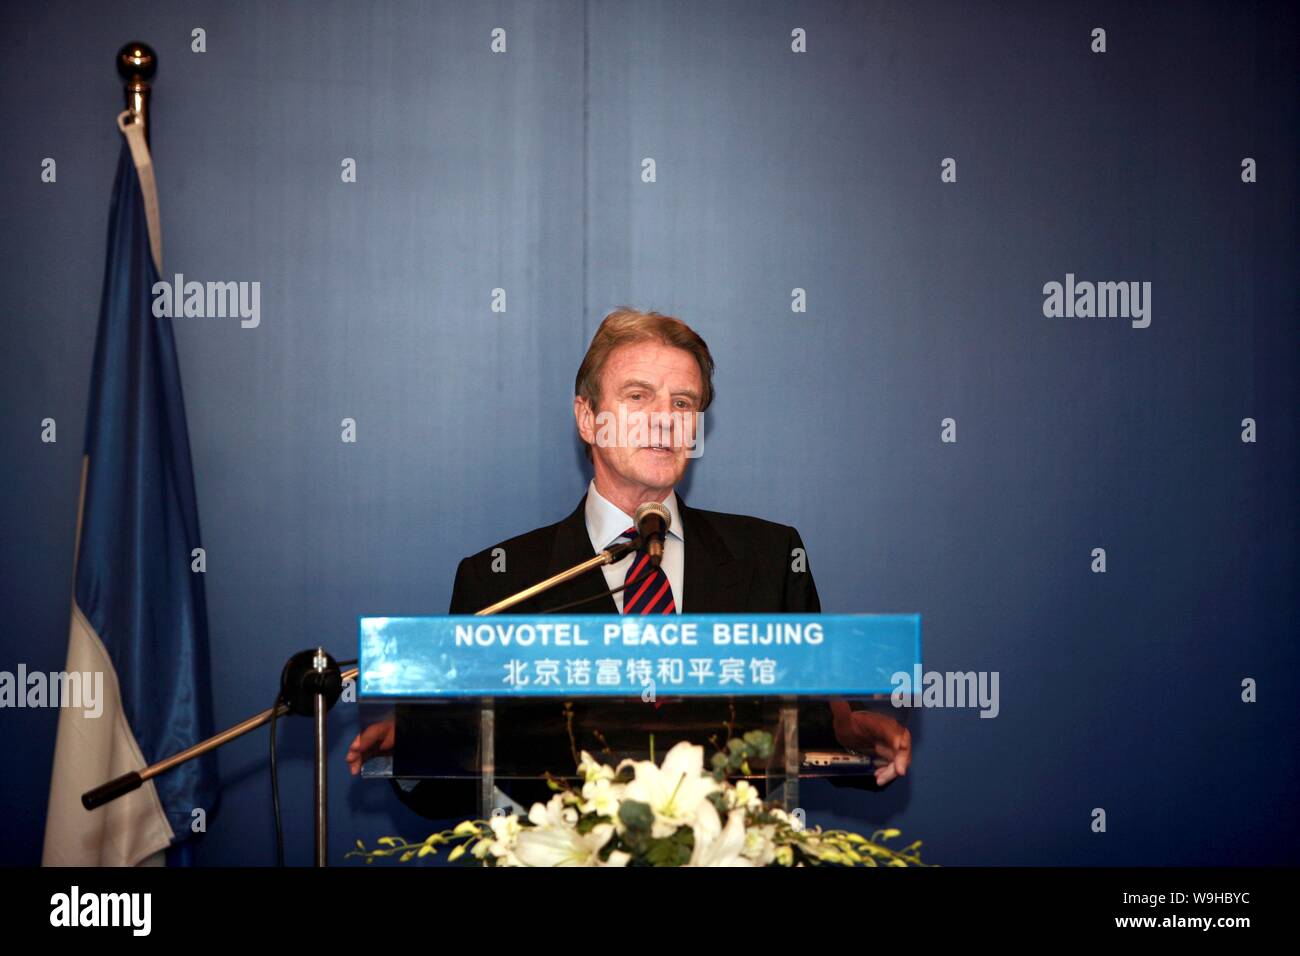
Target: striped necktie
(646, 589)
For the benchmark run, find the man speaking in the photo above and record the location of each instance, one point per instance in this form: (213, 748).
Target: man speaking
(638, 396)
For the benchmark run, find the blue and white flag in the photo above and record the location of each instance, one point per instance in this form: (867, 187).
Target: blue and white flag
(138, 613)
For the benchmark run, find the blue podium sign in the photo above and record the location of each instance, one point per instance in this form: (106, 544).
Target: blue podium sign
(702, 655)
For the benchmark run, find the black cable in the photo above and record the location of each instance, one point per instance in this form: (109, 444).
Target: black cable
(275, 788)
(597, 597)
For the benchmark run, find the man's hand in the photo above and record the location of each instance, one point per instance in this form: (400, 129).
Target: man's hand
(375, 739)
(867, 732)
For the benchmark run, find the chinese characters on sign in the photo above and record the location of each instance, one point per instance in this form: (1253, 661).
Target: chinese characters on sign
(638, 671)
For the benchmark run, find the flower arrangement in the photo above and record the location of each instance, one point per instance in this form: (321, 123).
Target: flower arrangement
(640, 813)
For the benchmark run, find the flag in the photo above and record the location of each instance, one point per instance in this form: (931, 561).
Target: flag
(139, 616)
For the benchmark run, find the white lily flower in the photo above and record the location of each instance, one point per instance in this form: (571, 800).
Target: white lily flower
(505, 827)
(564, 846)
(505, 831)
(592, 770)
(602, 797)
(716, 845)
(555, 813)
(676, 792)
(759, 845)
(744, 794)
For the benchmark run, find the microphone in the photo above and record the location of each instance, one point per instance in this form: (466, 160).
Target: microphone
(652, 522)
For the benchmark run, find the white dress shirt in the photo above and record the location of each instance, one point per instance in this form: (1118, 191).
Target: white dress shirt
(605, 522)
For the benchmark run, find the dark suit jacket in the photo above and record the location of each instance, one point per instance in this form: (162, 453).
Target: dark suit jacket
(733, 564)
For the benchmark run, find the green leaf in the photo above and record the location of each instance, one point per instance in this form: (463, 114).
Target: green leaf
(636, 816)
(672, 850)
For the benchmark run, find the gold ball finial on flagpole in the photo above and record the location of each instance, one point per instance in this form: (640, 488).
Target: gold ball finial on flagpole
(136, 64)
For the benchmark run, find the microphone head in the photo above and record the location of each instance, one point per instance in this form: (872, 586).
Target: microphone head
(652, 521)
(655, 508)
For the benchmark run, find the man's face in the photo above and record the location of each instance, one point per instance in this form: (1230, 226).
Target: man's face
(645, 423)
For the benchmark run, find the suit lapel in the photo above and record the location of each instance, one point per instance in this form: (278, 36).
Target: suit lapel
(716, 581)
(573, 546)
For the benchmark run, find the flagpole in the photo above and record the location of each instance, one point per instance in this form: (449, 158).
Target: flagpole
(136, 64)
